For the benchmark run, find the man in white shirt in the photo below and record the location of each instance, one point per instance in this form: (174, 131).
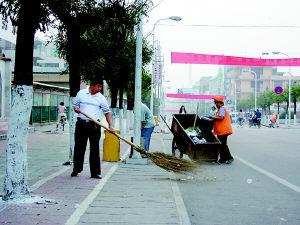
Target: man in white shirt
(89, 101)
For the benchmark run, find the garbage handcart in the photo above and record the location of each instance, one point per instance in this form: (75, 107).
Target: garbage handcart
(206, 149)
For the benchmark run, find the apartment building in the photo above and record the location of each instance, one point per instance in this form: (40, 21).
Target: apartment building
(241, 80)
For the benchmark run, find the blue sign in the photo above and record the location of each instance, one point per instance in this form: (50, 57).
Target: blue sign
(229, 101)
(278, 90)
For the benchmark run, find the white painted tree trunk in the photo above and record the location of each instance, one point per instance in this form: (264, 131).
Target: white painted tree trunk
(16, 177)
(126, 119)
(72, 124)
(113, 116)
(121, 122)
(131, 121)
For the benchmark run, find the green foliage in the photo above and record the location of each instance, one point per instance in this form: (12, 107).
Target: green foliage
(269, 97)
(10, 10)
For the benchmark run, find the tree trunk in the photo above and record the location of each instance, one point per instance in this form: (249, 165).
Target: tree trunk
(114, 96)
(114, 100)
(295, 105)
(16, 177)
(73, 59)
(121, 112)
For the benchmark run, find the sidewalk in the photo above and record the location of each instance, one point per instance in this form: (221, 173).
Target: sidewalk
(127, 194)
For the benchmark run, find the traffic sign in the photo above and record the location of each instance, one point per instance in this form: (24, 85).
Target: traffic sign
(229, 101)
(278, 90)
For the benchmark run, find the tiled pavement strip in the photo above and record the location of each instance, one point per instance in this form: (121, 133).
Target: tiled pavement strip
(127, 194)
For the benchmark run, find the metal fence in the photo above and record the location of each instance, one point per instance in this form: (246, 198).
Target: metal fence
(44, 107)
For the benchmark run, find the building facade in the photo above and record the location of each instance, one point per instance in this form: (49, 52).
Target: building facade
(241, 81)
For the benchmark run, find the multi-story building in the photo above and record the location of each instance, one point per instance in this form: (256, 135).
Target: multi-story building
(47, 69)
(7, 46)
(241, 81)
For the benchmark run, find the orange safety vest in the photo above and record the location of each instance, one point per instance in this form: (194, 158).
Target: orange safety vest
(273, 118)
(222, 127)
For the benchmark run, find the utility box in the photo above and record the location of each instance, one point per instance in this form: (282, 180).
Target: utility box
(156, 120)
(111, 147)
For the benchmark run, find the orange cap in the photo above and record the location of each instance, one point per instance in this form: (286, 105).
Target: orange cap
(218, 99)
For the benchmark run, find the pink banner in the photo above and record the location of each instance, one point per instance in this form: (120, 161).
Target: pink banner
(188, 96)
(172, 110)
(193, 58)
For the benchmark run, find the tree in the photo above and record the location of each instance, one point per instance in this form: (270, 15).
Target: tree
(295, 92)
(75, 16)
(277, 98)
(28, 16)
(265, 100)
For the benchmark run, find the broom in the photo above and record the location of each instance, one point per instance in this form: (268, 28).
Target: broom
(165, 161)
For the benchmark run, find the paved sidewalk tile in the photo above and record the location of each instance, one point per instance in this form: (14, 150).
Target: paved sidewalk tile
(135, 194)
(59, 194)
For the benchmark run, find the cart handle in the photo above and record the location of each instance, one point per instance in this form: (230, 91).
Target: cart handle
(165, 123)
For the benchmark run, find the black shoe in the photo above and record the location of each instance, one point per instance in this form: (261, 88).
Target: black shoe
(74, 174)
(96, 176)
(67, 163)
(229, 161)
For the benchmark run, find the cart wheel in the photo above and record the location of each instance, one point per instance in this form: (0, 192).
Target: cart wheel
(175, 151)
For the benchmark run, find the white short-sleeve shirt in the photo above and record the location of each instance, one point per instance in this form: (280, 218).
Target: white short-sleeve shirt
(91, 104)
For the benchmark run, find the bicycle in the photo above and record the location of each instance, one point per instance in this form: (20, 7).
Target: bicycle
(255, 122)
(62, 122)
(241, 122)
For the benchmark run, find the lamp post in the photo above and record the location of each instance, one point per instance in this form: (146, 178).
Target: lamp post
(290, 74)
(176, 18)
(255, 89)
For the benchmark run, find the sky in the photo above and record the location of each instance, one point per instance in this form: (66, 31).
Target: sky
(243, 28)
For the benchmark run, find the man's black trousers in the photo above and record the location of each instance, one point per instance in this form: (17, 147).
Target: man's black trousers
(84, 131)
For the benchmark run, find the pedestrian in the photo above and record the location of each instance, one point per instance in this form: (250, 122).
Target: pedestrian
(257, 117)
(147, 124)
(213, 111)
(241, 117)
(61, 112)
(89, 101)
(182, 110)
(222, 128)
(273, 121)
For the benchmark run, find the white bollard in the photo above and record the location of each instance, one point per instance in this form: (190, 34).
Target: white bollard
(286, 122)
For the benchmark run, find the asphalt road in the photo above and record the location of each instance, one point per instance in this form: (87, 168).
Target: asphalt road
(262, 185)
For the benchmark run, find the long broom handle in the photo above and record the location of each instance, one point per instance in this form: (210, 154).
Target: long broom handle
(102, 125)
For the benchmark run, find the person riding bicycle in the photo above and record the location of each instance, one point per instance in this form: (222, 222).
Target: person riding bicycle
(257, 117)
(61, 112)
(251, 118)
(240, 117)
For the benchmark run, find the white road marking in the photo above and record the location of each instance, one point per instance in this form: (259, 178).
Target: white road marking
(270, 175)
(75, 217)
(181, 209)
(39, 183)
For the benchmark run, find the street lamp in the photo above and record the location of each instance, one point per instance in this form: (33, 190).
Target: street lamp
(255, 88)
(290, 74)
(177, 19)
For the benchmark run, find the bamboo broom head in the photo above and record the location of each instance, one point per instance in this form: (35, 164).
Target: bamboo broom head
(169, 162)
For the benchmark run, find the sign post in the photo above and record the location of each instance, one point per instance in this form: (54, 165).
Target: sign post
(278, 90)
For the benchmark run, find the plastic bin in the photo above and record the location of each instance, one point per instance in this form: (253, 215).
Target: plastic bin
(111, 147)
